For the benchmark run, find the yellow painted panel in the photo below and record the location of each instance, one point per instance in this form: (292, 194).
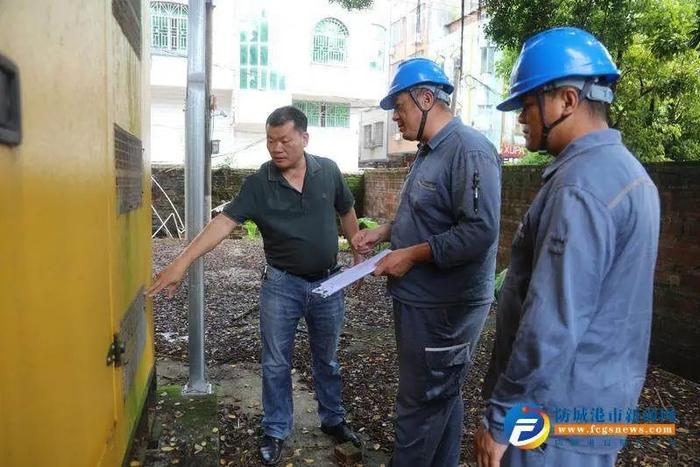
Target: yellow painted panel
(130, 235)
(69, 264)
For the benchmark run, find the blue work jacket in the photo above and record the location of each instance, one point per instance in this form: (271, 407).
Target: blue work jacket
(574, 315)
(451, 199)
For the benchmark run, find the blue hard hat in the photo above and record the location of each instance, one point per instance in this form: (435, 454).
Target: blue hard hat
(411, 73)
(555, 54)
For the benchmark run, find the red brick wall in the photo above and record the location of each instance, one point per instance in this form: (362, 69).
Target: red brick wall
(382, 187)
(519, 186)
(676, 332)
(676, 328)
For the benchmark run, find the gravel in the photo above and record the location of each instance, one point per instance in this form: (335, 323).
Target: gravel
(367, 355)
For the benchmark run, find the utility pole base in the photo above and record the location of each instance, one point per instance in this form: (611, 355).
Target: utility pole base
(200, 389)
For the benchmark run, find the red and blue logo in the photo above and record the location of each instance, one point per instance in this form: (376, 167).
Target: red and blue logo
(526, 426)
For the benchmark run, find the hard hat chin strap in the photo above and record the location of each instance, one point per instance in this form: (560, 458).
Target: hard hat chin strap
(547, 128)
(424, 117)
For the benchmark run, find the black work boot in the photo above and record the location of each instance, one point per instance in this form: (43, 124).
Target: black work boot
(270, 450)
(342, 433)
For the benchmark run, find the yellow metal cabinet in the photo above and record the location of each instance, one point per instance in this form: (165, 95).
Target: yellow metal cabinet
(75, 228)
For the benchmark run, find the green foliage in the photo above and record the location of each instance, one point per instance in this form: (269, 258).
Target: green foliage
(654, 43)
(357, 188)
(343, 244)
(535, 158)
(367, 223)
(353, 4)
(251, 229)
(381, 247)
(612, 21)
(504, 66)
(695, 38)
(500, 279)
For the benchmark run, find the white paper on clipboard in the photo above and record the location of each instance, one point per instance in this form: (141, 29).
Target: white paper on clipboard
(347, 277)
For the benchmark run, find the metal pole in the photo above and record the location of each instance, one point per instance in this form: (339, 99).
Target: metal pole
(197, 112)
(458, 78)
(209, 120)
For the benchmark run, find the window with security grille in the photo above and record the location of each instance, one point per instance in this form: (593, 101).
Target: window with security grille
(378, 51)
(488, 62)
(367, 131)
(330, 42)
(398, 32)
(373, 135)
(394, 128)
(325, 114)
(256, 70)
(169, 28)
(377, 134)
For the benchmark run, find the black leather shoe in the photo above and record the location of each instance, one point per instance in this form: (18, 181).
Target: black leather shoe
(342, 433)
(270, 450)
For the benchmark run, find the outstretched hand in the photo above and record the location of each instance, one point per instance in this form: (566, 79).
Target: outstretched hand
(365, 240)
(168, 279)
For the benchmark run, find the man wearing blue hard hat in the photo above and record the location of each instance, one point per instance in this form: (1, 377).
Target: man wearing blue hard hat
(441, 271)
(574, 314)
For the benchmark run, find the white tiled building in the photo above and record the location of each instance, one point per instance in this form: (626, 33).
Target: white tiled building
(432, 29)
(330, 62)
(480, 89)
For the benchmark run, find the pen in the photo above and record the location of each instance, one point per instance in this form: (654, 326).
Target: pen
(475, 186)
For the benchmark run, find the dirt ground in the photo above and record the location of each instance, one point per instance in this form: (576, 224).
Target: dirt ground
(367, 355)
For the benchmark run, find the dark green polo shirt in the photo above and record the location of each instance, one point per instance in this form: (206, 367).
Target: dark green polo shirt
(299, 230)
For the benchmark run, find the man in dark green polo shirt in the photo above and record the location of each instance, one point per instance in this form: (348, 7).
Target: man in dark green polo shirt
(294, 200)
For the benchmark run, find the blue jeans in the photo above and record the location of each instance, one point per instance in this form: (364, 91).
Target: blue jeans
(284, 299)
(435, 348)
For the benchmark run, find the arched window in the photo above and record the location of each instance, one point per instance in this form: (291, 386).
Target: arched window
(169, 27)
(330, 42)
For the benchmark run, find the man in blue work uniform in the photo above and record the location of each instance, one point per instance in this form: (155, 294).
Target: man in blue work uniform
(441, 271)
(294, 199)
(574, 315)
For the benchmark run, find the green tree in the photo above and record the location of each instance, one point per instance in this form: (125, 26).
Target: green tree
(654, 43)
(354, 4)
(695, 39)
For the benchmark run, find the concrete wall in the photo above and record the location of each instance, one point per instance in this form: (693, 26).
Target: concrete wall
(676, 328)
